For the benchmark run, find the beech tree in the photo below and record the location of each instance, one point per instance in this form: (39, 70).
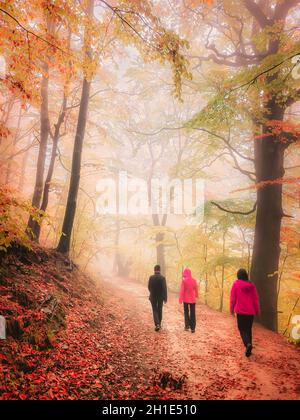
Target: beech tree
(260, 88)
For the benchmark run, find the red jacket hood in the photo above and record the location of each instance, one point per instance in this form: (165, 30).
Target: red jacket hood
(187, 274)
(189, 288)
(246, 286)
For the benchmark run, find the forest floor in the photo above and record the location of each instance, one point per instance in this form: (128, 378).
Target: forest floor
(69, 338)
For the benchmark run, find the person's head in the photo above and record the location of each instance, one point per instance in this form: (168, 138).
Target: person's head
(187, 273)
(242, 274)
(157, 269)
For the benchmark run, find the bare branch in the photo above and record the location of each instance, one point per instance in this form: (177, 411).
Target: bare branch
(247, 213)
(226, 141)
(91, 96)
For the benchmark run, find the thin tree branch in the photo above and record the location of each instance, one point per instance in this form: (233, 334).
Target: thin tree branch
(254, 79)
(91, 96)
(154, 133)
(247, 213)
(33, 33)
(125, 21)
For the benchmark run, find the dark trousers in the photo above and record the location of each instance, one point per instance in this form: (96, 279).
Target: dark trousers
(245, 323)
(190, 315)
(157, 308)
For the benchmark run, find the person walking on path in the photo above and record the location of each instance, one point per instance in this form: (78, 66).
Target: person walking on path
(157, 287)
(244, 302)
(188, 296)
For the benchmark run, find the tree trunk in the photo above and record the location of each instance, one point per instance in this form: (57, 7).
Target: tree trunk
(65, 238)
(205, 249)
(160, 252)
(117, 265)
(15, 140)
(159, 241)
(23, 166)
(32, 226)
(120, 268)
(269, 162)
(223, 274)
(48, 180)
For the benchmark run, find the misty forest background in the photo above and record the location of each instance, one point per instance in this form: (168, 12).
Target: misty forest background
(183, 89)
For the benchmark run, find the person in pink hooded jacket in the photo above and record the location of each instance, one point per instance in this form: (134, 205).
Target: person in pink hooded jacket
(244, 302)
(188, 296)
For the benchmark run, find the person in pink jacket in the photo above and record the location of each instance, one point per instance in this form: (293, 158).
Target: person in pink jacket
(244, 301)
(188, 296)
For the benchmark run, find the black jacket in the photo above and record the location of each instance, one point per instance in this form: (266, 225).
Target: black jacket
(158, 287)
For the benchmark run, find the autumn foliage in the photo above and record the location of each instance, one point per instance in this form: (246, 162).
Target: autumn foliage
(14, 211)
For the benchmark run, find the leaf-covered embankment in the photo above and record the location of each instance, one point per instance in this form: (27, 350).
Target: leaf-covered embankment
(67, 338)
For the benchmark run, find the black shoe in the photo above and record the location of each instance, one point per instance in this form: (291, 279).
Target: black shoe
(248, 350)
(193, 331)
(157, 328)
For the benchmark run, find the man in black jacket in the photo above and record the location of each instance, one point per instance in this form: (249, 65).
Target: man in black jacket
(158, 295)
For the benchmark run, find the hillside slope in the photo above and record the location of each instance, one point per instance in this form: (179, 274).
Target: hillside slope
(66, 339)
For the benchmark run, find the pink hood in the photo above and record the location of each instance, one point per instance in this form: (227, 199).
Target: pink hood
(189, 288)
(244, 298)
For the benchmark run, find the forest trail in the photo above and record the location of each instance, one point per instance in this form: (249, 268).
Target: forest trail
(213, 358)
